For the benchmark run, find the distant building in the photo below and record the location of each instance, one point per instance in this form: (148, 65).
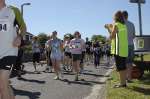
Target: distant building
(28, 37)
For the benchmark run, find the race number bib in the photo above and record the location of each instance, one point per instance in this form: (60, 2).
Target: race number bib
(4, 25)
(78, 45)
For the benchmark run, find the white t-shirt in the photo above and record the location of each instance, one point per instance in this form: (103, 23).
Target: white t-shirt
(76, 46)
(7, 33)
(35, 47)
(67, 46)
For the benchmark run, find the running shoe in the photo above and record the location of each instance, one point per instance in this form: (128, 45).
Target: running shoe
(56, 78)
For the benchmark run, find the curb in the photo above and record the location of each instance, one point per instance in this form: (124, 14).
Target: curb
(99, 91)
(103, 91)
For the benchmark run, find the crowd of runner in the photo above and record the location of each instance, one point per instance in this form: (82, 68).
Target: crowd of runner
(70, 54)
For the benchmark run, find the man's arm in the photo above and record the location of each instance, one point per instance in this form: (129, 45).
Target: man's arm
(19, 21)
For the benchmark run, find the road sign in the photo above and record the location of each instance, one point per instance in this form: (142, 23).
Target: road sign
(137, 1)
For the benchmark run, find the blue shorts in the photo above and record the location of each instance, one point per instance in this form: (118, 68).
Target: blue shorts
(130, 54)
(56, 56)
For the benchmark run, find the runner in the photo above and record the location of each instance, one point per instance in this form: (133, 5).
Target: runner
(36, 53)
(103, 52)
(88, 45)
(10, 18)
(48, 59)
(83, 56)
(67, 54)
(97, 54)
(119, 33)
(56, 46)
(131, 36)
(76, 46)
(108, 54)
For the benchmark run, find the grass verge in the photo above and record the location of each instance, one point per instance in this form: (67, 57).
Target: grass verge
(139, 89)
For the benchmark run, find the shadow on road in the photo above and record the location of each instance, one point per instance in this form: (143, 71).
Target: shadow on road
(68, 73)
(31, 95)
(32, 80)
(92, 74)
(29, 72)
(80, 82)
(96, 82)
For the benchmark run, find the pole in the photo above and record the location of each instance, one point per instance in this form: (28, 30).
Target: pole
(140, 19)
(22, 6)
(22, 10)
(140, 25)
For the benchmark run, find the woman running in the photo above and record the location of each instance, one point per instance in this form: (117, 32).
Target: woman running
(76, 46)
(56, 46)
(67, 54)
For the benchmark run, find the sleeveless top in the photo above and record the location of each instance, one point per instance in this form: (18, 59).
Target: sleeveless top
(9, 17)
(121, 40)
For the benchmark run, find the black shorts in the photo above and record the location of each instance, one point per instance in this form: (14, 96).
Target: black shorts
(88, 51)
(68, 54)
(120, 63)
(7, 61)
(76, 57)
(36, 57)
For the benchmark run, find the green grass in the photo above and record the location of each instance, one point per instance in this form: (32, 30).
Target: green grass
(139, 89)
(146, 58)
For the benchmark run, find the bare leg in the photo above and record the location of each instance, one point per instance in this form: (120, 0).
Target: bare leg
(70, 63)
(58, 68)
(54, 66)
(74, 66)
(77, 66)
(34, 64)
(122, 77)
(58, 65)
(129, 68)
(6, 92)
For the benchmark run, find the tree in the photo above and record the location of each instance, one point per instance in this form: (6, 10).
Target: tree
(42, 38)
(99, 38)
(70, 35)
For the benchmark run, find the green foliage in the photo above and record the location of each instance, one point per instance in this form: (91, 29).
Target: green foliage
(42, 38)
(28, 49)
(70, 35)
(99, 38)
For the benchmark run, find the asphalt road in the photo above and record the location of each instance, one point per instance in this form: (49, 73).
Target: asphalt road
(42, 86)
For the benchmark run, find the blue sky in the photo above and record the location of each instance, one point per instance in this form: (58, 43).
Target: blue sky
(86, 16)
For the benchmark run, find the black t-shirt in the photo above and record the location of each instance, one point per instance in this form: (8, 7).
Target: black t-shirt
(96, 48)
(88, 45)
